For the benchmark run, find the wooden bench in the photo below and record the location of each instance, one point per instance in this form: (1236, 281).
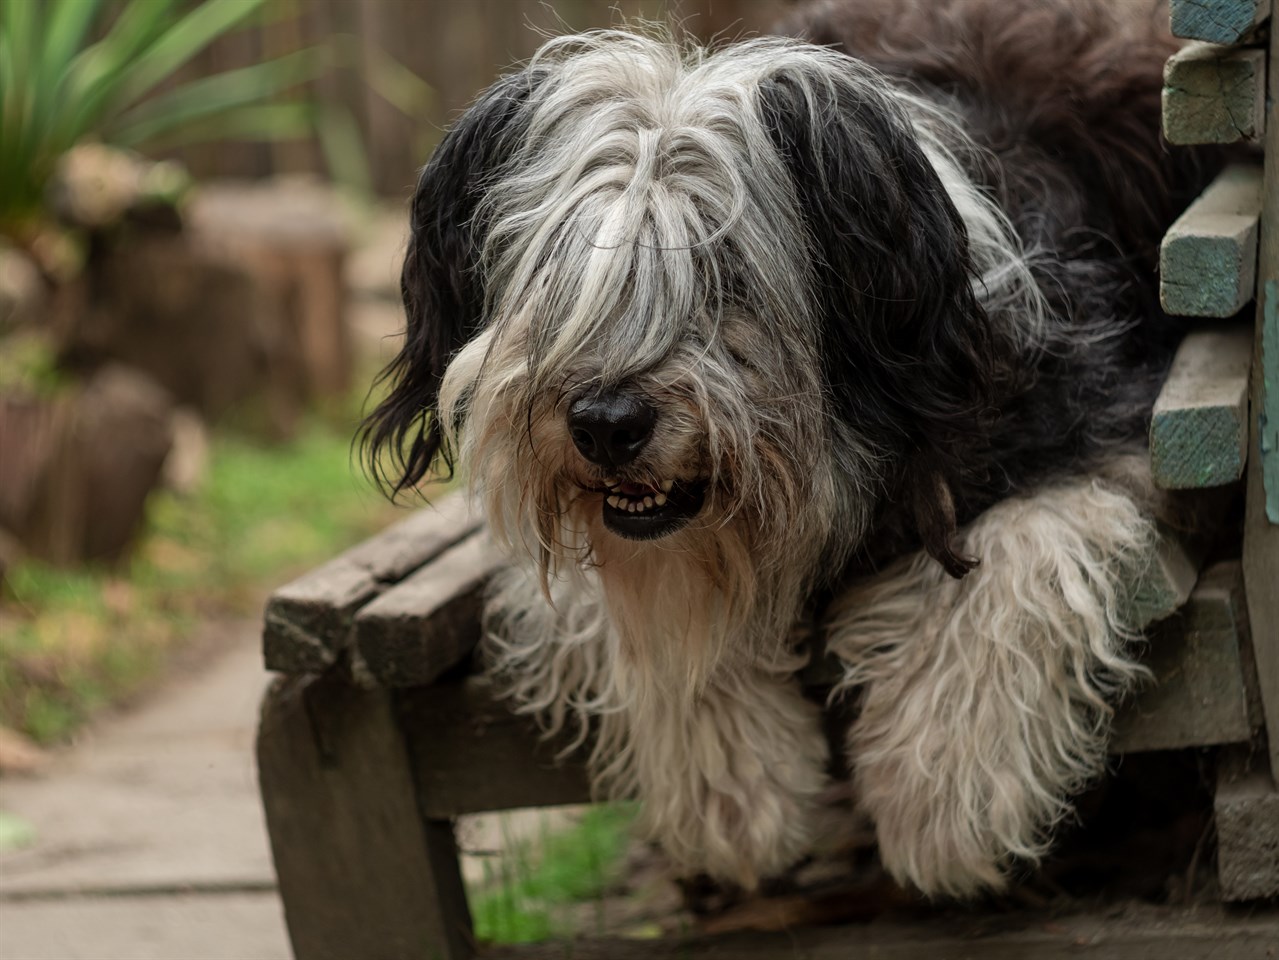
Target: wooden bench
(380, 731)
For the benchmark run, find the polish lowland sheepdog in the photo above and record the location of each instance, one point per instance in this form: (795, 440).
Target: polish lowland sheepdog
(852, 333)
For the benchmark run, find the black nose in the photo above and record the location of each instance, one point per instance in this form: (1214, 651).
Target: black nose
(610, 429)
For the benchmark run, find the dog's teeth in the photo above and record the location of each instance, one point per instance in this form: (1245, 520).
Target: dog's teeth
(660, 499)
(632, 507)
(648, 502)
(615, 502)
(666, 485)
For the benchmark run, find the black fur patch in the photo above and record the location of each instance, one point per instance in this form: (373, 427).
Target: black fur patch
(910, 357)
(443, 293)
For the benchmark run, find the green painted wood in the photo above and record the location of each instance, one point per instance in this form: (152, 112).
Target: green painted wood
(1208, 259)
(1214, 95)
(1217, 21)
(1199, 429)
(1167, 584)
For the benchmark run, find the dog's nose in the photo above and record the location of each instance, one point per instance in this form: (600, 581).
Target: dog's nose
(610, 429)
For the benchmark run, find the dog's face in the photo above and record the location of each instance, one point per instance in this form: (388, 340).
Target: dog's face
(667, 303)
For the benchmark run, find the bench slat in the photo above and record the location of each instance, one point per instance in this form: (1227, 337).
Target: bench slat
(1138, 934)
(1214, 94)
(1217, 21)
(429, 622)
(473, 754)
(1208, 259)
(307, 621)
(1246, 807)
(1199, 428)
(1199, 696)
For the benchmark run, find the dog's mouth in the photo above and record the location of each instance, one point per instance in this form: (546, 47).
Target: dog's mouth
(641, 511)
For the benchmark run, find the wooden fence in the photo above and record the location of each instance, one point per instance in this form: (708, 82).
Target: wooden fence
(455, 47)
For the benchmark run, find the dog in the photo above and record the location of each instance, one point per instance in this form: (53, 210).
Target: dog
(853, 329)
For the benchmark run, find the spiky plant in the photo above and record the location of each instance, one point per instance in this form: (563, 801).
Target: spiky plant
(59, 87)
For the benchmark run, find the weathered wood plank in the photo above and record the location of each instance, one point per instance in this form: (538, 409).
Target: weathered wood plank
(1132, 934)
(1217, 21)
(1208, 259)
(1168, 583)
(1199, 428)
(471, 753)
(307, 621)
(1261, 512)
(1199, 691)
(361, 873)
(429, 622)
(1214, 94)
(1246, 806)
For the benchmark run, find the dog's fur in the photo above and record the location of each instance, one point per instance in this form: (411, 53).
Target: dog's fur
(895, 312)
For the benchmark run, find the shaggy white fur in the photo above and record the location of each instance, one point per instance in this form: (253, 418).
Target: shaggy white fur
(986, 700)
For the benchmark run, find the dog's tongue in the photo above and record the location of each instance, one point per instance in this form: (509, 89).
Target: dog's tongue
(635, 489)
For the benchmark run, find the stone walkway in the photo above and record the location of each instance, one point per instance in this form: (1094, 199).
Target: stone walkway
(149, 836)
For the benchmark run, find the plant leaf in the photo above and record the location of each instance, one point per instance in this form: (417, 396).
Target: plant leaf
(181, 42)
(209, 96)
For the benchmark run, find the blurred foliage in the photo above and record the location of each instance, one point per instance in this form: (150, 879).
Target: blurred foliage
(528, 894)
(74, 641)
(29, 366)
(58, 87)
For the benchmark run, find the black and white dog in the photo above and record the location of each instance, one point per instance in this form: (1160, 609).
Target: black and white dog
(858, 328)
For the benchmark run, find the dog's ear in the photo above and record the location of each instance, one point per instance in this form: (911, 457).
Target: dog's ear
(442, 290)
(907, 350)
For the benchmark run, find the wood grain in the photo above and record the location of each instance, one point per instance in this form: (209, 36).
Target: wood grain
(1198, 694)
(307, 621)
(361, 873)
(1214, 94)
(1217, 21)
(1246, 806)
(429, 622)
(1261, 513)
(1131, 934)
(1208, 259)
(1199, 427)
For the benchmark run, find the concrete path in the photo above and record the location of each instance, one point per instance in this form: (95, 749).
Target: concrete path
(149, 835)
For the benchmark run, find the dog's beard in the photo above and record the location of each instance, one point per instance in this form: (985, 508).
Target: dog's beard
(719, 573)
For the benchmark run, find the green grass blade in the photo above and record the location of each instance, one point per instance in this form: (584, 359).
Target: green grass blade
(181, 42)
(20, 23)
(19, 27)
(64, 33)
(95, 76)
(63, 37)
(210, 96)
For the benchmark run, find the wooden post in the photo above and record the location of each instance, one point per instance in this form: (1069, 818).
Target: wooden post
(362, 874)
(1261, 519)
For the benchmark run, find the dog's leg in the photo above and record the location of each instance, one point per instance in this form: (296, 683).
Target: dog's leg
(728, 776)
(730, 782)
(987, 700)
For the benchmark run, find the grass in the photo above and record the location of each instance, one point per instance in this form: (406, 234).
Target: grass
(73, 641)
(536, 889)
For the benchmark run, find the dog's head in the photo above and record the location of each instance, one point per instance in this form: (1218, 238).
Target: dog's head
(658, 298)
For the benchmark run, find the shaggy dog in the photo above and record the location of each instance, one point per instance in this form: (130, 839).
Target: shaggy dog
(857, 329)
